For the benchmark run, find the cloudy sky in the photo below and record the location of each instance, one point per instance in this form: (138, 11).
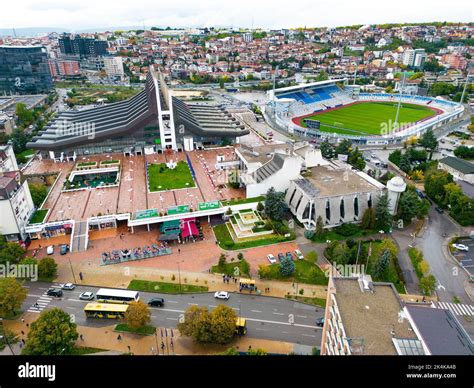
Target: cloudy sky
(84, 14)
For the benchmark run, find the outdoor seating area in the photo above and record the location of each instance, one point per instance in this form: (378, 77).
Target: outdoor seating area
(139, 253)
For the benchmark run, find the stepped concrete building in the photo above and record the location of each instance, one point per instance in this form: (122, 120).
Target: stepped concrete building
(151, 121)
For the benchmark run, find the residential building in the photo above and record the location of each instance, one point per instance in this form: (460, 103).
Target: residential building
(113, 66)
(16, 204)
(82, 47)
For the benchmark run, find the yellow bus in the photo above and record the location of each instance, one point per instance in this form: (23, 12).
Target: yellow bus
(105, 310)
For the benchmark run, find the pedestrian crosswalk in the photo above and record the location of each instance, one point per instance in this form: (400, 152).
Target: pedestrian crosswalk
(41, 303)
(456, 308)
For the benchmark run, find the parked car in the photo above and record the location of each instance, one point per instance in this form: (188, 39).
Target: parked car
(222, 295)
(320, 322)
(289, 255)
(281, 256)
(86, 296)
(461, 247)
(298, 254)
(56, 292)
(50, 250)
(67, 286)
(63, 249)
(156, 302)
(439, 210)
(271, 258)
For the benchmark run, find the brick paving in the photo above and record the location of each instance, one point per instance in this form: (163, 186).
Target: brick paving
(106, 338)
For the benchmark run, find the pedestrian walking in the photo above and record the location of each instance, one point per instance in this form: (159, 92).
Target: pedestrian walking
(27, 324)
(81, 276)
(119, 337)
(22, 332)
(22, 320)
(81, 337)
(179, 250)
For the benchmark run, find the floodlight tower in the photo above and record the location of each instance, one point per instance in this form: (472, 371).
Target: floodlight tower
(274, 83)
(402, 87)
(465, 87)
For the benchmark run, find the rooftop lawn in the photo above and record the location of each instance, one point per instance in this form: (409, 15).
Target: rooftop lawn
(368, 118)
(162, 178)
(38, 216)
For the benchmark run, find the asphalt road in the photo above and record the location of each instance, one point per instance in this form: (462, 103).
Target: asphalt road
(451, 278)
(267, 317)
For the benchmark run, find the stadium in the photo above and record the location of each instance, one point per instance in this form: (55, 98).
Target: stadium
(336, 110)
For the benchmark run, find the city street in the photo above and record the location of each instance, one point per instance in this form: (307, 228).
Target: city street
(267, 317)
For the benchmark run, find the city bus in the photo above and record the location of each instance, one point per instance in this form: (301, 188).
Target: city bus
(105, 310)
(107, 295)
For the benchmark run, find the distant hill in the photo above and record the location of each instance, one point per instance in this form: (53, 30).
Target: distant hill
(37, 31)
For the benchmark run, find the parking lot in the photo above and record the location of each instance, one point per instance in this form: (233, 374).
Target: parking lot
(466, 258)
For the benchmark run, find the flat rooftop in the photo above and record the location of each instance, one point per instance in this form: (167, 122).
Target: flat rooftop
(371, 316)
(441, 331)
(335, 180)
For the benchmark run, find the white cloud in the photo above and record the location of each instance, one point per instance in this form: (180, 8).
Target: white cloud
(240, 13)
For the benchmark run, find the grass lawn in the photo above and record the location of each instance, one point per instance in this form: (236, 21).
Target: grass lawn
(367, 118)
(162, 178)
(305, 299)
(144, 330)
(79, 351)
(166, 288)
(229, 268)
(243, 200)
(305, 272)
(38, 216)
(226, 242)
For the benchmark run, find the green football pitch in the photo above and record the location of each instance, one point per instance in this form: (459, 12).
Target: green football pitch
(368, 118)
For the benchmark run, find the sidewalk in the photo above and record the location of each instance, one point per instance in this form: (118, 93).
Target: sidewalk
(106, 338)
(119, 276)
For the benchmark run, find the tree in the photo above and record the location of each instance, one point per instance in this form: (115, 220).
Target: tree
(260, 207)
(287, 267)
(47, 268)
(408, 206)
(405, 164)
(383, 218)
(381, 265)
(429, 142)
(423, 267)
(10, 252)
(12, 296)
(137, 315)
(428, 284)
(51, 334)
(275, 206)
(368, 218)
(344, 147)
(395, 157)
(319, 227)
(19, 140)
(222, 260)
(38, 193)
(312, 257)
(327, 150)
(435, 181)
(25, 115)
(230, 352)
(387, 244)
(464, 152)
(356, 159)
(217, 326)
(341, 254)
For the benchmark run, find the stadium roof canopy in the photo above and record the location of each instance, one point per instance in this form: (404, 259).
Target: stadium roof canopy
(305, 86)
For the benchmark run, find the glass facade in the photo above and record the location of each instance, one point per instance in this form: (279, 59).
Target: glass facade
(24, 70)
